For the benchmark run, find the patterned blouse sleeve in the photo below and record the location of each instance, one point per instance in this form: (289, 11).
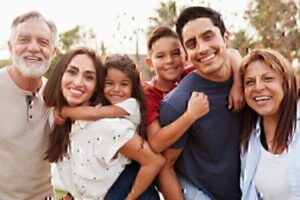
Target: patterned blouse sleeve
(112, 137)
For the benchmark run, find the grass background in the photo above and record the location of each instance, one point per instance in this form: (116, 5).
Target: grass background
(59, 194)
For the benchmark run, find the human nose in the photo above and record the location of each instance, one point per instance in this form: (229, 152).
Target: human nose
(202, 47)
(259, 85)
(78, 80)
(33, 46)
(116, 87)
(169, 59)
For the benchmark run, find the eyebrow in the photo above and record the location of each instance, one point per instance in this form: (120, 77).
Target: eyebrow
(188, 41)
(159, 52)
(175, 49)
(28, 35)
(207, 32)
(77, 69)
(90, 72)
(267, 73)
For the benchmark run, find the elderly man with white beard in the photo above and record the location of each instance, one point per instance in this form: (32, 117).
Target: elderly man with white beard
(24, 126)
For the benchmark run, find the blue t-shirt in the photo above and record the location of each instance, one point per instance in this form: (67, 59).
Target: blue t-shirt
(210, 157)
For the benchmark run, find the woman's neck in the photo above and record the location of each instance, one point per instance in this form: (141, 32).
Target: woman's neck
(269, 127)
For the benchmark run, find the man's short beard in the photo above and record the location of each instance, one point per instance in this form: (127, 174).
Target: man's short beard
(31, 71)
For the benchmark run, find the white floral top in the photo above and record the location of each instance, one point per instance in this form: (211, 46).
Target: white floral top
(94, 162)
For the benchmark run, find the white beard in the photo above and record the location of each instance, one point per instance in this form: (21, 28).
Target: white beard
(31, 71)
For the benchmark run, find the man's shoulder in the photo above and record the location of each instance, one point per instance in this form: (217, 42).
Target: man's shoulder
(189, 77)
(4, 76)
(188, 69)
(177, 98)
(185, 86)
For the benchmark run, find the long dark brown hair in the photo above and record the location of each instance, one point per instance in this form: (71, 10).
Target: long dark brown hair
(127, 66)
(288, 108)
(53, 96)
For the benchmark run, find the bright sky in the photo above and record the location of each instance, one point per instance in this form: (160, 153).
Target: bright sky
(103, 17)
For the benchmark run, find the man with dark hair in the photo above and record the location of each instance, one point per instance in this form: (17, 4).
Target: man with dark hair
(207, 155)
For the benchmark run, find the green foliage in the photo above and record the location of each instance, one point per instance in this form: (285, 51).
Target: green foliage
(276, 24)
(73, 37)
(68, 40)
(166, 15)
(54, 62)
(243, 43)
(5, 62)
(59, 194)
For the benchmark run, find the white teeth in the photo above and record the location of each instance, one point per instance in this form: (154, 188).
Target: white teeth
(75, 91)
(261, 98)
(32, 58)
(170, 68)
(208, 57)
(116, 96)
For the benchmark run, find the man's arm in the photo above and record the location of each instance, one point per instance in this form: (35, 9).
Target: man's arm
(161, 138)
(236, 96)
(168, 182)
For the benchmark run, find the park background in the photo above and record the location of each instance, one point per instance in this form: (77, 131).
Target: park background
(118, 26)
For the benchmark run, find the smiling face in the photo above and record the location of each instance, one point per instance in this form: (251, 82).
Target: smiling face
(167, 58)
(263, 89)
(79, 80)
(32, 48)
(205, 46)
(118, 86)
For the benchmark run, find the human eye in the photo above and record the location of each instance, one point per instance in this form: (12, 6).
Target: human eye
(176, 53)
(160, 56)
(268, 78)
(190, 44)
(44, 42)
(208, 36)
(248, 82)
(71, 71)
(90, 77)
(23, 40)
(108, 82)
(125, 84)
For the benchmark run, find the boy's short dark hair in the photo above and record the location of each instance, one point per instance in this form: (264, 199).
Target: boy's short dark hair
(160, 32)
(194, 12)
